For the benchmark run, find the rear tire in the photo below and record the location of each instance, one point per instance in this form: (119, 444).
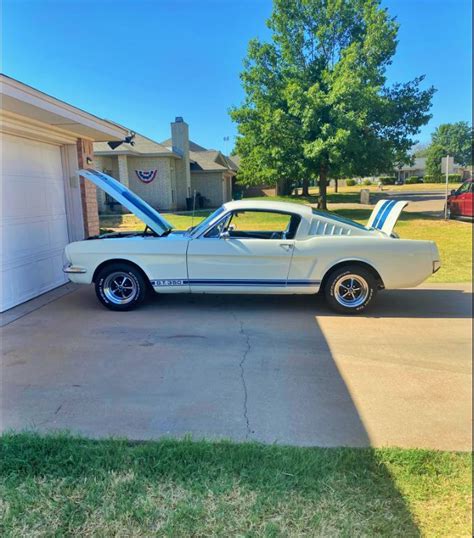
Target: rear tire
(120, 287)
(350, 289)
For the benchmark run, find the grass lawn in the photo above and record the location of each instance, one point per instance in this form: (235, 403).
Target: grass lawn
(454, 239)
(392, 188)
(67, 486)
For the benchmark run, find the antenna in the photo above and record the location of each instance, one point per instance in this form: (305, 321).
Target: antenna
(194, 208)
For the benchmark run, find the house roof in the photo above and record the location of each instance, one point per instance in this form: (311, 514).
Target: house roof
(210, 160)
(418, 164)
(143, 146)
(205, 160)
(235, 159)
(201, 159)
(192, 145)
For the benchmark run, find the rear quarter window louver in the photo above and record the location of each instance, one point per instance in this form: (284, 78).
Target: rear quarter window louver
(319, 227)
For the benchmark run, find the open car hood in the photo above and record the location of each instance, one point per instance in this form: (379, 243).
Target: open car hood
(128, 199)
(385, 215)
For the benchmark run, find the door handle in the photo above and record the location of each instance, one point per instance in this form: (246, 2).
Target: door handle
(286, 246)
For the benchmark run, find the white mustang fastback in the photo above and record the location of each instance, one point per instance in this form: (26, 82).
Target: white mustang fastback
(299, 251)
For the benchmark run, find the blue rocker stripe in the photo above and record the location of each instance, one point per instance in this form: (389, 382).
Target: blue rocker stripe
(250, 282)
(233, 282)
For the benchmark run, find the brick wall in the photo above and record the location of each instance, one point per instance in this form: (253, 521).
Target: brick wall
(159, 193)
(90, 210)
(210, 185)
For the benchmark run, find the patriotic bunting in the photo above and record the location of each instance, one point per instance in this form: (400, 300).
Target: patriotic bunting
(147, 176)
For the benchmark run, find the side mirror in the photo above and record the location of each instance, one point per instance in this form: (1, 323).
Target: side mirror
(224, 235)
(453, 192)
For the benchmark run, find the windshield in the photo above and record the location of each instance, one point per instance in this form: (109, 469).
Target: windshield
(199, 228)
(338, 218)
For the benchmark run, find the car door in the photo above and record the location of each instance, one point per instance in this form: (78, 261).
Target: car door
(458, 201)
(467, 202)
(245, 252)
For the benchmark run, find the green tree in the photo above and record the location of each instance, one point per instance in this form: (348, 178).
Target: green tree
(453, 139)
(316, 99)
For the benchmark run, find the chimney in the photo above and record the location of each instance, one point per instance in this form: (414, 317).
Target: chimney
(180, 143)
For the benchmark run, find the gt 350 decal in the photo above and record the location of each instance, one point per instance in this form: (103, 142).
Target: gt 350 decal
(157, 283)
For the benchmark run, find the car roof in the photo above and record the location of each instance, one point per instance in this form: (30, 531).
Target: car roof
(269, 205)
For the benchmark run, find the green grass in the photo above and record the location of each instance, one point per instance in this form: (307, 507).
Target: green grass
(454, 239)
(393, 188)
(69, 486)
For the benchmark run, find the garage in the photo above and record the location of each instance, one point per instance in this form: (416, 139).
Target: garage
(34, 221)
(45, 204)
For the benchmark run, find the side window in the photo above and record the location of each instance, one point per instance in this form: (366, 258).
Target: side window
(220, 227)
(465, 187)
(254, 224)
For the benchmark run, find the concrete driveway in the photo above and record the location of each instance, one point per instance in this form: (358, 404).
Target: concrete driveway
(272, 369)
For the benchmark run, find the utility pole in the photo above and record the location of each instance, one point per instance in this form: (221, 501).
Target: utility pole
(447, 189)
(226, 140)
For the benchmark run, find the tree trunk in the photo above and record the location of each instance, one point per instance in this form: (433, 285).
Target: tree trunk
(283, 187)
(305, 190)
(322, 203)
(335, 185)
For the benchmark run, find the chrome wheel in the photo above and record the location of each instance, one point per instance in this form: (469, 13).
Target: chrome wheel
(351, 290)
(120, 288)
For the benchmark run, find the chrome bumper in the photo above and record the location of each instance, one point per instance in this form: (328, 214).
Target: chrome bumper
(73, 269)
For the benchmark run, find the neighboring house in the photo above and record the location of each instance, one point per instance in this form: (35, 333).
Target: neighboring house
(418, 169)
(166, 174)
(45, 205)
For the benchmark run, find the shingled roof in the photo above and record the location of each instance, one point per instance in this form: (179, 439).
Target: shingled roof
(210, 160)
(192, 145)
(143, 146)
(206, 160)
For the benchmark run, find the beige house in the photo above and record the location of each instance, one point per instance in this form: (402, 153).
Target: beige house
(166, 174)
(418, 169)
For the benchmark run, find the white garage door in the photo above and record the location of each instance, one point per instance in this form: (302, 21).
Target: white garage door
(33, 220)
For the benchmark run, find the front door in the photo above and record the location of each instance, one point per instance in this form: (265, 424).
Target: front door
(247, 251)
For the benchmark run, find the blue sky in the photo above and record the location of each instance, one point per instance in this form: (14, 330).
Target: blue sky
(143, 62)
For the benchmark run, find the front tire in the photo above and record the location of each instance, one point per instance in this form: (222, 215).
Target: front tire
(350, 289)
(120, 287)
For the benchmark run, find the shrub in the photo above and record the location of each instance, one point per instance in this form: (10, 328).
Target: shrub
(350, 182)
(367, 182)
(454, 178)
(386, 180)
(412, 180)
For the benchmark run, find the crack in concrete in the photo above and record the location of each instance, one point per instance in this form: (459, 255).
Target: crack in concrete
(242, 375)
